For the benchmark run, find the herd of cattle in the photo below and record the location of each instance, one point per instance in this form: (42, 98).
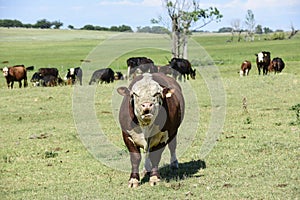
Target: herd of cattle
(176, 68)
(264, 63)
(49, 77)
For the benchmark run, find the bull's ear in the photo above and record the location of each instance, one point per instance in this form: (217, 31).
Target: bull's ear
(124, 91)
(167, 92)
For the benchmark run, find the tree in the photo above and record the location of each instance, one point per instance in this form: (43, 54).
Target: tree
(57, 24)
(293, 32)
(258, 29)
(267, 30)
(43, 24)
(236, 27)
(184, 14)
(250, 24)
(71, 27)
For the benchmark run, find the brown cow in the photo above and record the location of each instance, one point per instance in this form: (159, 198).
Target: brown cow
(276, 65)
(15, 73)
(150, 115)
(245, 68)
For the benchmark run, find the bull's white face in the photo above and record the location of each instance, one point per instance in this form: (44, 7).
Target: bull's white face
(5, 71)
(147, 98)
(260, 57)
(72, 71)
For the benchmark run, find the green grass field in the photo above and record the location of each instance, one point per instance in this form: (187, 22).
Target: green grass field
(55, 141)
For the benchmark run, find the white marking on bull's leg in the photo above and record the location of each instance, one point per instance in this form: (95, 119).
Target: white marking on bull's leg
(154, 180)
(241, 73)
(133, 183)
(247, 72)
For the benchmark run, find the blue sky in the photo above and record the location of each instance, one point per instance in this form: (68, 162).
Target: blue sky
(275, 14)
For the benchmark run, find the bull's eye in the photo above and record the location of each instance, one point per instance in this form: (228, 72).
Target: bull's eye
(156, 94)
(135, 94)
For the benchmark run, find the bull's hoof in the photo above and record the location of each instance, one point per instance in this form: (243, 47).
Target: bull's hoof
(133, 183)
(154, 180)
(174, 165)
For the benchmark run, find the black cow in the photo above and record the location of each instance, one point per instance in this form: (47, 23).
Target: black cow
(46, 81)
(263, 60)
(150, 115)
(181, 67)
(106, 75)
(134, 62)
(74, 74)
(277, 65)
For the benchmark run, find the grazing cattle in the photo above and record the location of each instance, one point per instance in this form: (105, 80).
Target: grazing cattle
(181, 67)
(263, 60)
(15, 73)
(277, 65)
(106, 75)
(245, 68)
(144, 63)
(74, 74)
(35, 79)
(150, 115)
(46, 81)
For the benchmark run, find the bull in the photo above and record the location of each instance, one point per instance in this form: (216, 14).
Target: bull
(150, 115)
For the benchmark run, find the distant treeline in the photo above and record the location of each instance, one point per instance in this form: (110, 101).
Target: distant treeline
(45, 24)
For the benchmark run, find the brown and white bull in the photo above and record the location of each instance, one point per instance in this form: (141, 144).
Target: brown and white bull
(245, 68)
(150, 115)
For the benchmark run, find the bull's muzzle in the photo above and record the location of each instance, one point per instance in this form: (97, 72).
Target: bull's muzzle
(147, 110)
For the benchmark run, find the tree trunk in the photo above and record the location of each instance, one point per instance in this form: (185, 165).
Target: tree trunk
(175, 37)
(185, 43)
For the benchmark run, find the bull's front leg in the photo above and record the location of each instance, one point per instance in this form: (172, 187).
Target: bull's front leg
(135, 159)
(134, 180)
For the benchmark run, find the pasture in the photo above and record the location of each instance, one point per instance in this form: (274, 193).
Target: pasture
(65, 142)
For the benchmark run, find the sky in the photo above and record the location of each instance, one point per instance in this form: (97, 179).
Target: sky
(275, 14)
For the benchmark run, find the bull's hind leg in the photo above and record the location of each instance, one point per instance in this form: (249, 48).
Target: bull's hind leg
(172, 147)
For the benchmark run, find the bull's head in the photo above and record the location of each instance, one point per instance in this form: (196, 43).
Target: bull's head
(146, 96)
(5, 71)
